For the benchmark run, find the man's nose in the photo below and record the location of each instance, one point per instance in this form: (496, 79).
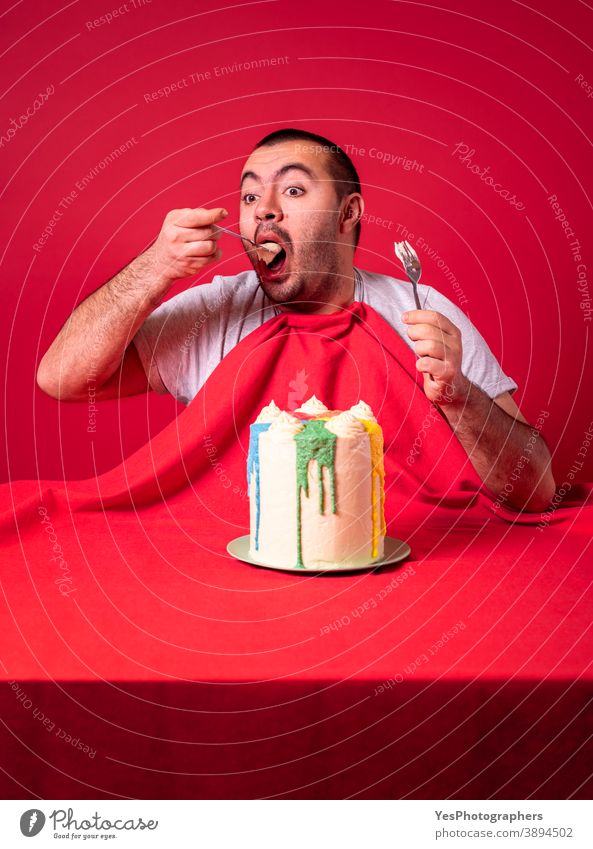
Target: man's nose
(268, 207)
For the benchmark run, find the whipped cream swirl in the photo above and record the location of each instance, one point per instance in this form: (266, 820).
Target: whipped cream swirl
(346, 424)
(363, 411)
(268, 413)
(313, 407)
(285, 424)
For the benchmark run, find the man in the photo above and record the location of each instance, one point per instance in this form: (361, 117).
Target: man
(302, 191)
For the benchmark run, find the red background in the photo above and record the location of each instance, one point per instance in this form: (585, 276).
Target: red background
(404, 78)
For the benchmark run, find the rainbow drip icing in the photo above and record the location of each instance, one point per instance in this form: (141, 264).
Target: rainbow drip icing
(314, 442)
(253, 467)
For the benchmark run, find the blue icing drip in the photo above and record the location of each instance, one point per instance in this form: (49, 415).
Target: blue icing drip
(253, 466)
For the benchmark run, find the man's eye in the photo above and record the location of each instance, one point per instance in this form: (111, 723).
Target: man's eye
(248, 197)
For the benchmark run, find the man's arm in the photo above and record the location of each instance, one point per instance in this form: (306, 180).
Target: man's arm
(506, 403)
(95, 342)
(498, 440)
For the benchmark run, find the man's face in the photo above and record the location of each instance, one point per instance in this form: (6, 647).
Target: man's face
(288, 194)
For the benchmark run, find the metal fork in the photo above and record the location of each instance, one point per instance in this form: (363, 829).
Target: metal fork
(409, 259)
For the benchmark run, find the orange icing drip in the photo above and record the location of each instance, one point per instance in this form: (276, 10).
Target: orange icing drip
(377, 471)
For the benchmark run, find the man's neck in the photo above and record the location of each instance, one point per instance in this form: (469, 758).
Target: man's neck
(341, 299)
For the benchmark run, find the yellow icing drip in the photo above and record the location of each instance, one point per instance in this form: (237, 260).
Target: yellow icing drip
(377, 471)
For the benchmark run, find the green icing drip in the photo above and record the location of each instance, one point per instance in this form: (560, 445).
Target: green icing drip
(314, 442)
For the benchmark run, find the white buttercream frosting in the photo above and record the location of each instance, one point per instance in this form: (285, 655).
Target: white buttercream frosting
(313, 407)
(363, 411)
(268, 413)
(345, 424)
(285, 424)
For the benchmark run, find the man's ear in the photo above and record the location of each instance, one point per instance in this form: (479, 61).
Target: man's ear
(352, 212)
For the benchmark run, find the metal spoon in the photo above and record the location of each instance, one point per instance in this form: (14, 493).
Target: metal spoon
(244, 238)
(238, 235)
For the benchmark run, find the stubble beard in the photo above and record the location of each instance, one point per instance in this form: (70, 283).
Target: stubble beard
(317, 281)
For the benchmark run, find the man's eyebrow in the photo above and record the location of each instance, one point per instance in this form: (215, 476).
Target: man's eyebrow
(291, 166)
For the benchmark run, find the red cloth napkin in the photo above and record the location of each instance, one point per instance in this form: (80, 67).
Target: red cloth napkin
(341, 358)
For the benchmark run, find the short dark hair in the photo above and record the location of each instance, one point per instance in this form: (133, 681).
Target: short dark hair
(340, 166)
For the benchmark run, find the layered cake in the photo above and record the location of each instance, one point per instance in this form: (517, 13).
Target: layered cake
(316, 487)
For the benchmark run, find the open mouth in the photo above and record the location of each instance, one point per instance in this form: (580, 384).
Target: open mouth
(277, 260)
(272, 258)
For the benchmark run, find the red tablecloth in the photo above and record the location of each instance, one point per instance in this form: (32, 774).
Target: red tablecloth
(139, 660)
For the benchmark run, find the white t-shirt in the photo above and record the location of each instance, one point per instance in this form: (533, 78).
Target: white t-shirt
(185, 338)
